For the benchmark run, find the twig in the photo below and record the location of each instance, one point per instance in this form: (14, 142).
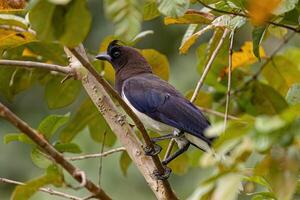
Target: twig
(97, 155)
(229, 79)
(99, 91)
(169, 149)
(208, 65)
(38, 65)
(46, 190)
(101, 157)
(297, 30)
(51, 151)
(217, 113)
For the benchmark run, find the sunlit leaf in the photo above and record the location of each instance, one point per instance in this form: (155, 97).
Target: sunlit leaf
(40, 159)
(203, 99)
(24, 192)
(127, 17)
(192, 39)
(67, 147)
(59, 94)
(60, 2)
(125, 162)
(11, 38)
(293, 95)
(245, 56)
(13, 20)
(285, 6)
(51, 123)
(173, 8)
(228, 187)
(189, 31)
(261, 10)
(190, 17)
(158, 62)
(150, 10)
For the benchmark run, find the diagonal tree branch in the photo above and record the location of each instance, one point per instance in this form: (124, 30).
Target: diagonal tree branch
(51, 151)
(99, 91)
(46, 190)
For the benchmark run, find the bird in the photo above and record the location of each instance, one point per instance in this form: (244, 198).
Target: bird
(159, 106)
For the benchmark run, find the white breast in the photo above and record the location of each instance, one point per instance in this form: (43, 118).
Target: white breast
(148, 122)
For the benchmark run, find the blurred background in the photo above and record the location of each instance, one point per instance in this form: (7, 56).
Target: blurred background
(30, 105)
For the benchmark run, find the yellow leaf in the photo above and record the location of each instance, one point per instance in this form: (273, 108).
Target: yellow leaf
(191, 17)
(192, 39)
(28, 53)
(10, 38)
(261, 10)
(245, 56)
(158, 62)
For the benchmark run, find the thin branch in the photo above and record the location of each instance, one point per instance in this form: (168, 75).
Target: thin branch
(99, 91)
(297, 30)
(97, 155)
(208, 66)
(169, 149)
(217, 113)
(229, 79)
(38, 65)
(46, 190)
(51, 151)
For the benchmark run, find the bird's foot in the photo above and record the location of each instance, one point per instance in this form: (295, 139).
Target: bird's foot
(152, 151)
(165, 175)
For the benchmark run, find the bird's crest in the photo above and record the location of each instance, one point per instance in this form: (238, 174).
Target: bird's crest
(114, 43)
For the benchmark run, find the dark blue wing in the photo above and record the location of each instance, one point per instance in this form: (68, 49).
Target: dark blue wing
(160, 101)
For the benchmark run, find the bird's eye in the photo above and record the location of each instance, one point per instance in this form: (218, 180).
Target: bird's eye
(116, 54)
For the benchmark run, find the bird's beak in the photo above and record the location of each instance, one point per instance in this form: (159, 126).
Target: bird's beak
(104, 56)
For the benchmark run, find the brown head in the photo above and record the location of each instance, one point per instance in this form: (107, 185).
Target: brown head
(126, 61)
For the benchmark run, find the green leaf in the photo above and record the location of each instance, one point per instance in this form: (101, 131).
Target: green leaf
(77, 20)
(17, 137)
(50, 124)
(40, 17)
(150, 10)
(266, 124)
(190, 17)
(285, 6)
(279, 76)
(173, 8)
(203, 99)
(158, 62)
(59, 95)
(293, 95)
(98, 128)
(86, 113)
(125, 162)
(257, 37)
(228, 187)
(67, 147)
(40, 159)
(127, 17)
(262, 99)
(24, 192)
(60, 2)
(13, 20)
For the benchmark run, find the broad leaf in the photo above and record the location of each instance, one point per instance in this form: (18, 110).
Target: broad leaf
(40, 159)
(191, 17)
(50, 124)
(293, 95)
(158, 62)
(59, 95)
(257, 36)
(125, 162)
(150, 10)
(173, 8)
(67, 147)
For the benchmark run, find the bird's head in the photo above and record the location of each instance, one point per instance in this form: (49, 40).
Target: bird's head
(123, 56)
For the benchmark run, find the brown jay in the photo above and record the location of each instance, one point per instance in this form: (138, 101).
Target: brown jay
(158, 104)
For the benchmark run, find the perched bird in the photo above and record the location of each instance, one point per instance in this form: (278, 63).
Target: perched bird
(158, 104)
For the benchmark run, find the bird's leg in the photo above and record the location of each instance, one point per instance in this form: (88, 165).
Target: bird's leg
(165, 175)
(163, 137)
(157, 149)
(176, 154)
(152, 151)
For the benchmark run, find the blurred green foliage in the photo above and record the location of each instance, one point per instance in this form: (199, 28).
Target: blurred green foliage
(256, 157)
